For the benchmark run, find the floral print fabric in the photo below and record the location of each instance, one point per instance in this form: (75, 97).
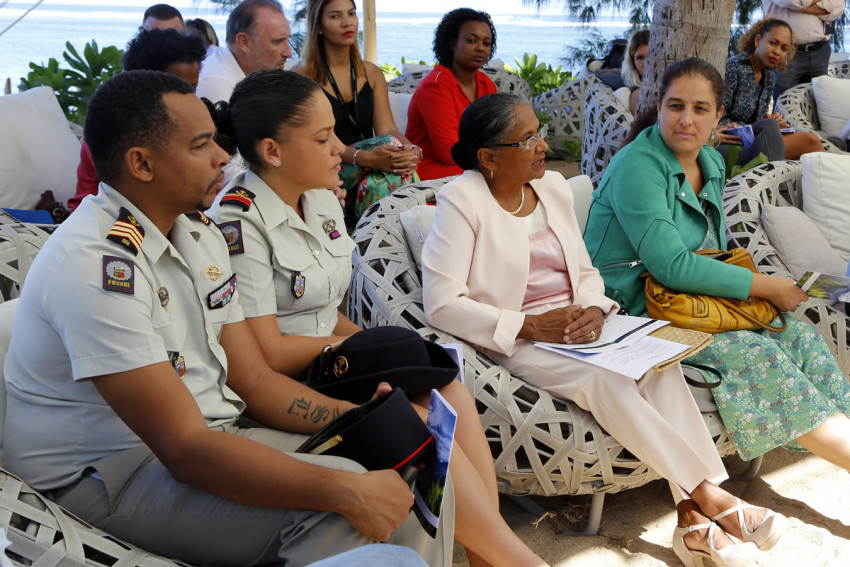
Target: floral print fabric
(776, 386)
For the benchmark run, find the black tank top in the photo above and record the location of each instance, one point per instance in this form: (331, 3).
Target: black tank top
(344, 129)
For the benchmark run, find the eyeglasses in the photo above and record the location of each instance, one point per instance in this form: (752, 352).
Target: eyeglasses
(531, 142)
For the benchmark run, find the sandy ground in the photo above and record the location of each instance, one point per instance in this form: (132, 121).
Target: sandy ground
(637, 525)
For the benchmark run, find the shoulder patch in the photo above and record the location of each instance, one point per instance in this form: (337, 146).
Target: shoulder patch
(199, 216)
(118, 274)
(127, 232)
(232, 231)
(238, 197)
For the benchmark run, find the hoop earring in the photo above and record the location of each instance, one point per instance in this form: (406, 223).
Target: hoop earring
(713, 141)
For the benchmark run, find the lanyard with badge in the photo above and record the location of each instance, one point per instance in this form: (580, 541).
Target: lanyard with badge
(355, 118)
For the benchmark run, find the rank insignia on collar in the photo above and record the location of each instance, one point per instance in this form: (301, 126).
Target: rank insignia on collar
(178, 362)
(223, 295)
(238, 197)
(127, 232)
(232, 231)
(199, 216)
(118, 274)
(213, 272)
(162, 294)
(329, 226)
(299, 285)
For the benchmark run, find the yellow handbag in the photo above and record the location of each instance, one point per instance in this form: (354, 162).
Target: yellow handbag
(708, 313)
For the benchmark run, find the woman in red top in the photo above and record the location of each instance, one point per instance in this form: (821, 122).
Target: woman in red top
(464, 40)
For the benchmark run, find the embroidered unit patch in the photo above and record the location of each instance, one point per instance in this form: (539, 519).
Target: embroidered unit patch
(127, 232)
(198, 215)
(118, 274)
(239, 197)
(223, 295)
(178, 362)
(232, 232)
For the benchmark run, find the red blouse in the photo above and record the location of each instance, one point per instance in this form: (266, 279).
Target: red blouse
(433, 118)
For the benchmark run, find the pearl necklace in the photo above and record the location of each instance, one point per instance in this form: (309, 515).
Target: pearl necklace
(521, 201)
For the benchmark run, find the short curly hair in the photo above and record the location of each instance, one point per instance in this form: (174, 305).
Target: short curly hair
(747, 41)
(126, 111)
(448, 30)
(155, 50)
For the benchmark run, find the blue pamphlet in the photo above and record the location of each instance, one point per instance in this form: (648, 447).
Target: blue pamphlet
(431, 480)
(745, 133)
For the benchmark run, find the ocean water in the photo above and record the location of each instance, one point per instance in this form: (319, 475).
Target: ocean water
(42, 34)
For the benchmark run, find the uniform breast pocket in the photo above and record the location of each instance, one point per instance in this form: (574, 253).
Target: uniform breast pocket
(171, 329)
(296, 278)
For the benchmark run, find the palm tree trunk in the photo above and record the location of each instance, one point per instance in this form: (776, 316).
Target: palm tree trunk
(682, 29)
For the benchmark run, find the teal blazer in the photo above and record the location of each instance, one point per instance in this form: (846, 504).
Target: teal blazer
(645, 217)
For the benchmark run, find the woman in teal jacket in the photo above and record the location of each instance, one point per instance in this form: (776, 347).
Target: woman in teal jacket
(658, 202)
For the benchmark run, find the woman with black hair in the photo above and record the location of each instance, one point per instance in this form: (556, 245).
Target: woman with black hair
(290, 251)
(464, 41)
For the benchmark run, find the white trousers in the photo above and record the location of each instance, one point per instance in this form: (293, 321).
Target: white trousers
(655, 418)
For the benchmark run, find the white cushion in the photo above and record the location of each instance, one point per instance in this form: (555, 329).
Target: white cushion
(845, 132)
(417, 222)
(799, 243)
(623, 94)
(825, 197)
(7, 317)
(37, 149)
(831, 96)
(398, 105)
(582, 188)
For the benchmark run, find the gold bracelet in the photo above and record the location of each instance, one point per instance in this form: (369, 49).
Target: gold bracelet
(421, 155)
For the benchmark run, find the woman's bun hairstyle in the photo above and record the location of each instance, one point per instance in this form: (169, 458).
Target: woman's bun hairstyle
(487, 121)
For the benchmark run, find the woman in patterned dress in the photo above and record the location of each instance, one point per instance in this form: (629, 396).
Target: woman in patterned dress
(778, 388)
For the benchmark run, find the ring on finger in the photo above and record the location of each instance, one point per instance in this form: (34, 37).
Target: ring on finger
(593, 335)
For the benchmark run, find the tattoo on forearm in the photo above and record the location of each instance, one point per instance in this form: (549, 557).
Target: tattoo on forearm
(336, 413)
(305, 409)
(320, 414)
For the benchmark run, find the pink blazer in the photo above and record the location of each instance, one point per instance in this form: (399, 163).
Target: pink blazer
(476, 259)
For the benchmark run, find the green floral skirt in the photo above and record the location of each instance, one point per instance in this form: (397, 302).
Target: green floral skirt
(371, 185)
(776, 386)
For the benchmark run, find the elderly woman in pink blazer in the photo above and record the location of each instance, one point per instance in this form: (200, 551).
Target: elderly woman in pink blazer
(505, 264)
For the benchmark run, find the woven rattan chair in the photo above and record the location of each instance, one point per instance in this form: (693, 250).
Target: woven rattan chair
(542, 445)
(606, 123)
(840, 69)
(505, 81)
(797, 105)
(780, 183)
(19, 243)
(564, 107)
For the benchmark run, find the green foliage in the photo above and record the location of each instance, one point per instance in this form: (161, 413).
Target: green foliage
(573, 149)
(75, 86)
(732, 167)
(390, 69)
(539, 76)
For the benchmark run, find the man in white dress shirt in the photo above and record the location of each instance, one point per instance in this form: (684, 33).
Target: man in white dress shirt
(257, 39)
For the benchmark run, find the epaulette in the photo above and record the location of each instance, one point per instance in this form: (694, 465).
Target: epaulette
(199, 216)
(238, 197)
(127, 232)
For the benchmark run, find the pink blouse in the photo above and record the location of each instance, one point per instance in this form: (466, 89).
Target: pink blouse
(548, 279)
